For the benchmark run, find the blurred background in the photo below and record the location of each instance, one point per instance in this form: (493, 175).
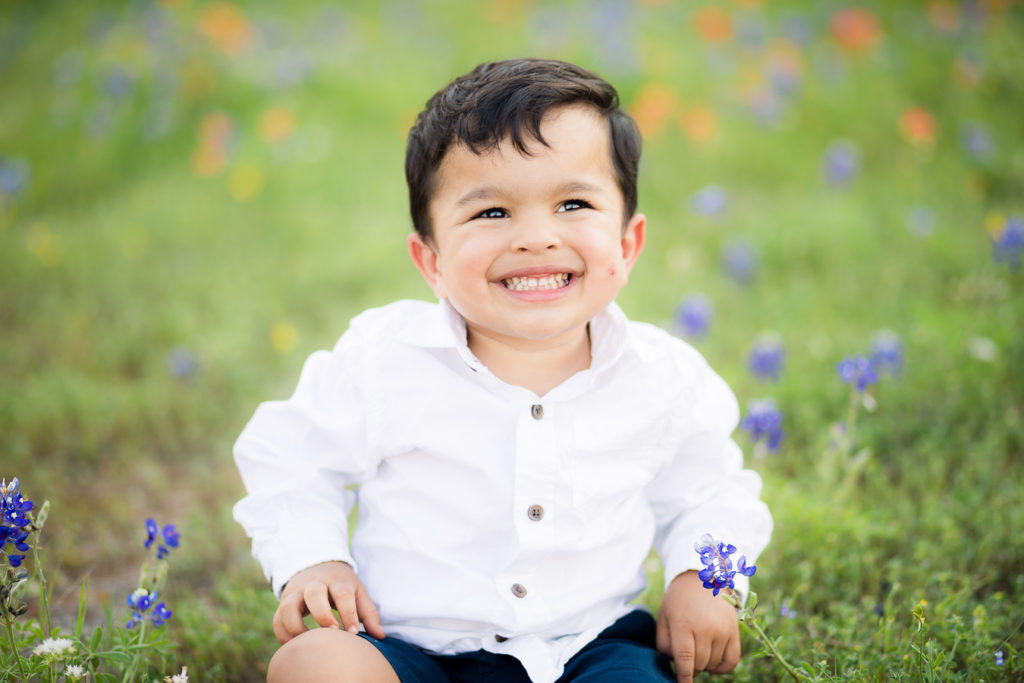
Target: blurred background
(196, 195)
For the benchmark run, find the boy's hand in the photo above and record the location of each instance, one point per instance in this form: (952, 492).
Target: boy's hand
(314, 591)
(698, 630)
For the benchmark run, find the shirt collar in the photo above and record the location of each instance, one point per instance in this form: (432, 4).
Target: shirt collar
(446, 328)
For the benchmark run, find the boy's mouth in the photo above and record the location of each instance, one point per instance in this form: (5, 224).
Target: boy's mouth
(533, 284)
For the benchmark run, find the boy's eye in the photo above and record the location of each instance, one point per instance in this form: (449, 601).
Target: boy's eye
(573, 205)
(493, 212)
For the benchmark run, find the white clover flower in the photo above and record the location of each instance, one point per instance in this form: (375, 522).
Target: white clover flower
(54, 647)
(74, 672)
(178, 678)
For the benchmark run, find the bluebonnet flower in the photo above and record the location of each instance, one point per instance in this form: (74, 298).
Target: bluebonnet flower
(976, 141)
(887, 352)
(710, 200)
(766, 357)
(181, 362)
(842, 161)
(13, 176)
(739, 259)
(787, 611)
(1009, 245)
(141, 601)
(999, 657)
(13, 521)
(170, 535)
(859, 370)
(921, 220)
(764, 422)
(693, 316)
(718, 572)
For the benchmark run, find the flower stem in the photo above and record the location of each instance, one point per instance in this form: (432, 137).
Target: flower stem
(44, 598)
(14, 646)
(748, 622)
(129, 675)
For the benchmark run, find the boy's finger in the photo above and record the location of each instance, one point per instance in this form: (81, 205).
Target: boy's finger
(319, 605)
(683, 654)
(344, 598)
(701, 655)
(368, 613)
(288, 619)
(730, 658)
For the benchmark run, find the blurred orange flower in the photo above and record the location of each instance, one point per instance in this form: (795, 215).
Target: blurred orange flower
(654, 104)
(856, 29)
(225, 26)
(700, 123)
(713, 24)
(918, 126)
(276, 123)
(944, 15)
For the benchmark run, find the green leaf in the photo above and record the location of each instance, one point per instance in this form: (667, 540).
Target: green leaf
(115, 656)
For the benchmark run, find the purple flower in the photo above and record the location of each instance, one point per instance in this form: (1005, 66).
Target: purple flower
(718, 572)
(710, 200)
(787, 611)
(921, 220)
(13, 176)
(181, 362)
(171, 537)
(766, 357)
(1009, 245)
(858, 370)
(13, 522)
(842, 161)
(764, 422)
(693, 317)
(999, 658)
(141, 600)
(976, 141)
(887, 352)
(739, 259)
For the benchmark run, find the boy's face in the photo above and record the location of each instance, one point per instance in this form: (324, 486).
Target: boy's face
(529, 248)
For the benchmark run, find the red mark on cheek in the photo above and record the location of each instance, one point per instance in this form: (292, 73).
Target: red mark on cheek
(611, 272)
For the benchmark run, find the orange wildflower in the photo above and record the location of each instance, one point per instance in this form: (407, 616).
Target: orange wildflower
(700, 123)
(224, 25)
(714, 25)
(918, 126)
(856, 29)
(276, 123)
(654, 104)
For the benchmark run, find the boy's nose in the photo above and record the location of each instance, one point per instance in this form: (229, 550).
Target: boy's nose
(536, 235)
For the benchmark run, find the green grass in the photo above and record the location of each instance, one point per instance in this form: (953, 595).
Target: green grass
(116, 252)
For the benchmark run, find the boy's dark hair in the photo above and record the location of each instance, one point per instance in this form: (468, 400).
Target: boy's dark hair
(509, 99)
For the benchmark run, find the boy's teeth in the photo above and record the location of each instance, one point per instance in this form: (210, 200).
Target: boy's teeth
(524, 284)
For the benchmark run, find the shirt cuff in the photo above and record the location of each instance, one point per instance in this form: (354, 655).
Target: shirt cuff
(285, 557)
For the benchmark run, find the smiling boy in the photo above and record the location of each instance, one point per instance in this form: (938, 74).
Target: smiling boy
(520, 445)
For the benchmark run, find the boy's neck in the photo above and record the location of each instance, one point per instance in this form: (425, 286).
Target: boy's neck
(537, 366)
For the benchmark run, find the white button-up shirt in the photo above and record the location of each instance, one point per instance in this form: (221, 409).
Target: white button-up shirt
(489, 517)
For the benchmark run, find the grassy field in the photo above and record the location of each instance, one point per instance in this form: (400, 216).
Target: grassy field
(196, 195)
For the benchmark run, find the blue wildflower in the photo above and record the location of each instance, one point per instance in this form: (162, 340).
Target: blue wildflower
(693, 316)
(14, 175)
(921, 220)
(976, 141)
(1009, 245)
(999, 657)
(170, 534)
(718, 572)
(739, 259)
(842, 161)
(787, 611)
(767, 357)
(181, 362)
(15, 524)
(858, 370)
(141, 601)
(764, 422)
(710, 200)
(887, 352)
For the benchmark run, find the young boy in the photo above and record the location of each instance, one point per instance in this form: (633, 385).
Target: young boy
(520, 445)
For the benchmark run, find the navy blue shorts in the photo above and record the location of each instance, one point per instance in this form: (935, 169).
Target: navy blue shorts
(622, 652)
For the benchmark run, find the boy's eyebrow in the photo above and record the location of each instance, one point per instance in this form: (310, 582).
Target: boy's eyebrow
(491, 191)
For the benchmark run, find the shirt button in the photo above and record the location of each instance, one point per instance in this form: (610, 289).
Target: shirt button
(536, 513)
(500, 639)
(537, 411)
(519, 590)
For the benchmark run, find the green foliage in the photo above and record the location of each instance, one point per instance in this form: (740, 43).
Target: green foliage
(200, 214)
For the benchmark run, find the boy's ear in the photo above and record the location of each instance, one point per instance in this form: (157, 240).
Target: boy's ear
(425, 259)
(633, 239)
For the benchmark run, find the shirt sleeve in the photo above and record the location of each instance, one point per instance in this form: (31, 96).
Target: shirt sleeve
(704, 488)
(298, 459)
